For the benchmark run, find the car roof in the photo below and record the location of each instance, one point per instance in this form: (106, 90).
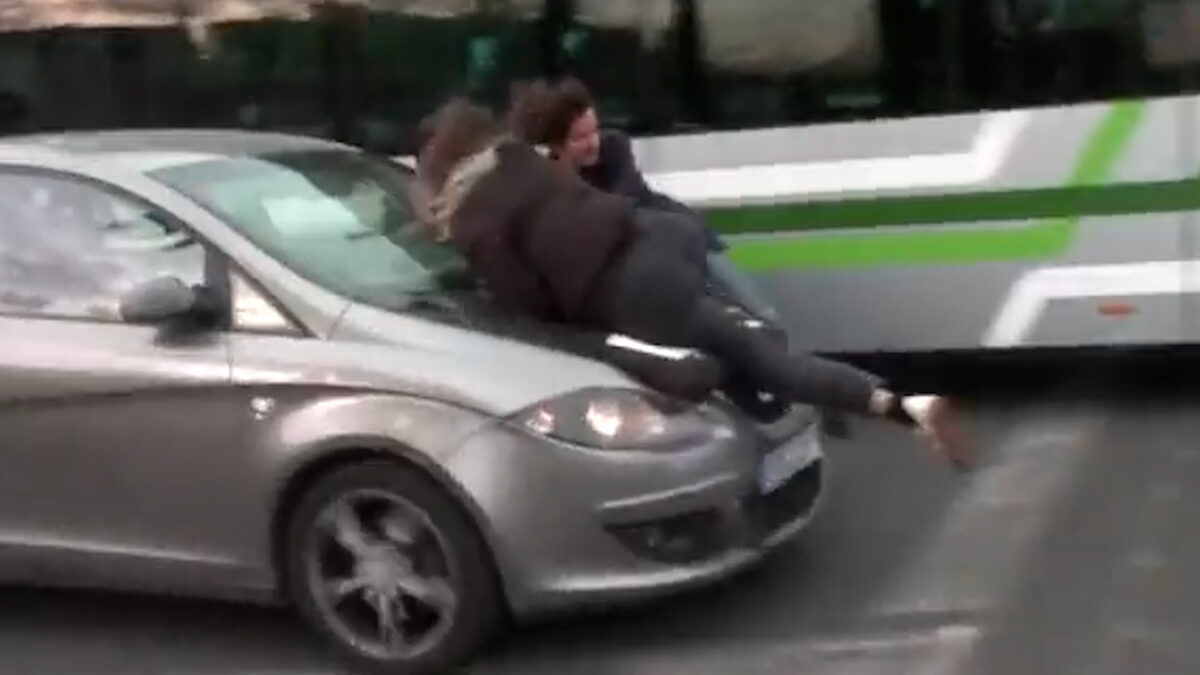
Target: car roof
(145, 150)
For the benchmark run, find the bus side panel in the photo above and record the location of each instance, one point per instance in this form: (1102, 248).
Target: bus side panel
(1117, 281)
(960, 231)
(1189, 131)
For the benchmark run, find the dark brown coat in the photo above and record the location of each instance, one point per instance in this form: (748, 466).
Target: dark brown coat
(538, 236)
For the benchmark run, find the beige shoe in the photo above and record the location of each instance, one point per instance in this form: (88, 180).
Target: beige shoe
(937, 423)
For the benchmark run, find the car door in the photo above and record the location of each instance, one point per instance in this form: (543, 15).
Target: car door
(97, 416)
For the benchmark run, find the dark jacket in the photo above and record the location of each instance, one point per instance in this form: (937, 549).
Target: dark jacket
(617, 171)
(538, 236)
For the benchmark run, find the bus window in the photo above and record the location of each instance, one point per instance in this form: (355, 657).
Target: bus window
(1171, 27)
(419, 53)
(619, 48)
(17, 85)
(362, 72)
(365, 71)
(145, 65)
(783, 62)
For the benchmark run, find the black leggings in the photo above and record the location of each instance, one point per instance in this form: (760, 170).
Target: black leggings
(658, 294)
(765, 361)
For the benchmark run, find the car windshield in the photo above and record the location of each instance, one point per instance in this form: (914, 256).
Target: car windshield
(342, 219)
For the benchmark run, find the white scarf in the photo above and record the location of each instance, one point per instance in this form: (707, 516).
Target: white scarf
(463, 177)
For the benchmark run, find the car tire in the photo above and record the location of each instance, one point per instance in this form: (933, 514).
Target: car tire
(477, 611)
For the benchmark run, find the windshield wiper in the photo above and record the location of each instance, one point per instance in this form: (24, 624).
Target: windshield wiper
(431, 300)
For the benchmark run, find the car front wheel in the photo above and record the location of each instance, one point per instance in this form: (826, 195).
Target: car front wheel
(391, 571)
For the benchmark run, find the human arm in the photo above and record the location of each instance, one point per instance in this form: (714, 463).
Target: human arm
(626, 178)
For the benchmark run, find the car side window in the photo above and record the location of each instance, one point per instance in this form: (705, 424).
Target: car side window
(69, 248)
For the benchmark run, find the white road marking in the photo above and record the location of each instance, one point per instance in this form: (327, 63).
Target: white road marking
(1131, 610)
(938, 651)
(942, 651)
(937, 635)
(1027, 298)
(975, 554)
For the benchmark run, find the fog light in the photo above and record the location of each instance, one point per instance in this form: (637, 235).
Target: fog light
(681, 539)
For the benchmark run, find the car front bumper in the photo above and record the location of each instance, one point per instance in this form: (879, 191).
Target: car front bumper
(571, 526)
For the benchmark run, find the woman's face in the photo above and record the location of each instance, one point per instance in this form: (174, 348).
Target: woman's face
(582, 145)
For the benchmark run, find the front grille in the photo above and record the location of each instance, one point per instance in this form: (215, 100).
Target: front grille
(795, 498)
(680, 539)
(700, 535)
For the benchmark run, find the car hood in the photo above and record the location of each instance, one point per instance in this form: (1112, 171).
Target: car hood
(482, 360)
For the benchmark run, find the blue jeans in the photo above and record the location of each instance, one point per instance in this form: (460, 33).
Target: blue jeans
(739, 287)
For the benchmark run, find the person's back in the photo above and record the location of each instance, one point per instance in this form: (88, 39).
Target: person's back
(528, 209)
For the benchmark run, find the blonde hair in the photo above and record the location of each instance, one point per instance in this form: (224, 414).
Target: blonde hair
(453, 132)
(459, 138)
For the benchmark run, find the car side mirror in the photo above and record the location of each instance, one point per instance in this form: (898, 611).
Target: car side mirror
(159, 301)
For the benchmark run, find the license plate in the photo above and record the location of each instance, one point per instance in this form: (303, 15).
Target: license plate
(783, 462)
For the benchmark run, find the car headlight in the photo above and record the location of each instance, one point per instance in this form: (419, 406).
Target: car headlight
(617, 419)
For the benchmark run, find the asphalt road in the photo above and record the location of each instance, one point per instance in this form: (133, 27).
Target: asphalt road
(1066, 551)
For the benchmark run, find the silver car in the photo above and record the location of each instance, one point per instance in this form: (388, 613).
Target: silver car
(233, 367)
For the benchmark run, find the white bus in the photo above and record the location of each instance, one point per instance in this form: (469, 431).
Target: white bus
(903, 175)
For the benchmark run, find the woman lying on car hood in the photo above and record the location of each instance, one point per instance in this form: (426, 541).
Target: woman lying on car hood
(547, 244)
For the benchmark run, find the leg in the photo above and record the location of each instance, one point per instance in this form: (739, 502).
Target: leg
(806, 378)
(675, 230)
(738, 287)
(689, 236)
(654, 294)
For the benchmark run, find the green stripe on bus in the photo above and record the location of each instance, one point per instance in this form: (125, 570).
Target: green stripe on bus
(927, 247)
(960, 244)
(1058, 211)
